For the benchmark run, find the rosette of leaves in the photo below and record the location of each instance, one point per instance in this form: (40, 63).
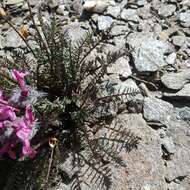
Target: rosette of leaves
(62, 69)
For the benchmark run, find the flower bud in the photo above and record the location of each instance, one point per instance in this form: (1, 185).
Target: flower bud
(2, 12)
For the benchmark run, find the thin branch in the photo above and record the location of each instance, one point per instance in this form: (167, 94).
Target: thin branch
(14, 28)
(49, 169)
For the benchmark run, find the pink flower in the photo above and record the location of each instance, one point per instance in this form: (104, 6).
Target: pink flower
(1, 125)
(7, 112)
(23, 130)
(29, 116)
(28, 150)
(19, 77)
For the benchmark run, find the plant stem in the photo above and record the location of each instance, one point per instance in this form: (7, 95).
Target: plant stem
(49, 169)
(14, 28)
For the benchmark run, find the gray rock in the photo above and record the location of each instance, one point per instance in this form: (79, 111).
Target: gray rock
(61, 10)
(130, 15)
(53, 4)
(176, 81)
(156, 110)
(184, 18)
(119, 29)
(178, 40)
(120, 67)
(178, 168)
(175, 186)
(166, 10)
(13, 2)
(104, 22)
(149, 52)
(113, 86)
(141, 2)
(179, 165)
(12, 39)
(1, 42)
(171, 58)
(184, 113)
(77, 28)
(145, 169)
(97, 6)
(67, 167)
(168, 144)
(114, 11)
(184, 93)
(77, 6)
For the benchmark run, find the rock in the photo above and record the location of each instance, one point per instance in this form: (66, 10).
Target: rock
(166, 10)
(184, 93)
(14, 2)
(179, 165)
(77, 6)
(66, 168)
(184, 18)
(175, 186)
(168, 144)
(119, 29)
(61, 10)
(112, 85)
(104, 22)
(141, 3)
(144, 166)
(178, 40)
(77, 28)
(156, 110)
(178, 168)
(176, 81)
(114, 11)
(12, 39)
(171, 58)
(120, 67)
(148, 52)
(184, 113)
(130, 15)
(97, 6)
(53, 4)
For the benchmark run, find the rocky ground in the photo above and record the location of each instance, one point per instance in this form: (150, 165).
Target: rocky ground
(157, 36)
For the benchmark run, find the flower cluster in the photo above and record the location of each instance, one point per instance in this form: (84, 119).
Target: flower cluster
(16, 123)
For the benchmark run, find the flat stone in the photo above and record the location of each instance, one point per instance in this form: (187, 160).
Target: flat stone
(175, 186)
(114, 11)
(179, 165)
(168, 144)
(144, 168)
(97, 6)
(184, 93)
(176, 81)
(61, 10)
(104, 22)
(120, 67)
(178, 40)
(148, 52)
(12, 39)
(184, 18)
(114, 86)
(171, 58)
(166, 10)
(156, 110)
(13, 2)
(130, 15)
